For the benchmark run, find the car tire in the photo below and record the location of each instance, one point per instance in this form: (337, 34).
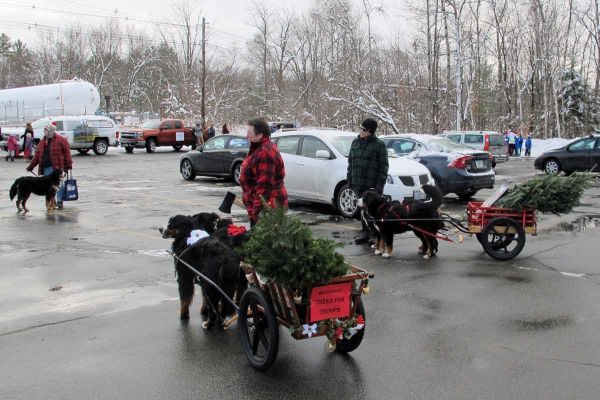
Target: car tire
(100, 147)
(129, 149)
(177, 147)
(236, 172)
(82, 151)
(150, 145)
(346, 202)
(552, 166)
(187, 170)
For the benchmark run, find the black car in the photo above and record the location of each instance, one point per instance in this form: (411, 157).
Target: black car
(580, 155)
(221, 156)
(456, 168)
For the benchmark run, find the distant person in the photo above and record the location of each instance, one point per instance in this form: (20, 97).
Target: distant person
(28, 144)
(511, 139)
(518, 144)
(53, 152)
(225, 129)
(528, 143)
(211, 131)
(12, 146)
(28, 129)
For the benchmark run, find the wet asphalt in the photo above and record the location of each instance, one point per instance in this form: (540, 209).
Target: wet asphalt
(89, 307)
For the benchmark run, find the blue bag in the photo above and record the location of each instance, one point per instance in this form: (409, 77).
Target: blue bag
(71, 192)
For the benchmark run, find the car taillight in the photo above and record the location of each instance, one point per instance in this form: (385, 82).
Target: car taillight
(486, 145)
(118, 135)
(460, 162)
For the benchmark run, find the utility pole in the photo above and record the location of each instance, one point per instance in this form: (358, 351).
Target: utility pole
(202, 106)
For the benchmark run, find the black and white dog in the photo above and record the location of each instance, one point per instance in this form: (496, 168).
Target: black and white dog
(212, 258)
(46, 186)
(387, 218)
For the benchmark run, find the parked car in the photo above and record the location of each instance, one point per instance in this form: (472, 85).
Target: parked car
(155, 133)
(489, 141)
(83, 132)
(456, 168)
(6, 131)
(579, 155)
(316, 164)
(220, 156)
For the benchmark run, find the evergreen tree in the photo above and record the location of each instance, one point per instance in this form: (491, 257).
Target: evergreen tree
(580, 109)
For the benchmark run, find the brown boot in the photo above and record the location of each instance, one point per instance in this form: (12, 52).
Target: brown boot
(184, 312)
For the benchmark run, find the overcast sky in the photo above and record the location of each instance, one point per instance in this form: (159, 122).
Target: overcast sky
(18, 17)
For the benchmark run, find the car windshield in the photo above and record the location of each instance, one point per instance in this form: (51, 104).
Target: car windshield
(496, 140)
(342, 143)
(446, 145)
(40, 123)
(152, 124)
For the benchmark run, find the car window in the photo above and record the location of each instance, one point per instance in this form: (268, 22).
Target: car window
(288, 144)
(402, 146)
(217, 143)
(238, 143)
(342, 143)
(473, 139)
(67, 125)
(454, 138)
(40, 123)
(94, 124)
(178, 125)
(310, 145)
(168, 125)
(583, 145)
(598, 143)
(496, 140)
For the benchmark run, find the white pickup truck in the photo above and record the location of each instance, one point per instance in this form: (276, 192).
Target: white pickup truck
(84, 132)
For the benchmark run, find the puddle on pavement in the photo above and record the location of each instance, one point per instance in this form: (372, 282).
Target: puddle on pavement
(581, 224)
(484, 275)
(541, 324)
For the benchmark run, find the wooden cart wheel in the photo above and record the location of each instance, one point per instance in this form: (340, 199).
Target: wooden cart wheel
(259, 332)
(503, 238)
(347, 345)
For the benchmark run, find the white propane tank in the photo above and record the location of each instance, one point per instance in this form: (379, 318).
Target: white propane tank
(73, 97)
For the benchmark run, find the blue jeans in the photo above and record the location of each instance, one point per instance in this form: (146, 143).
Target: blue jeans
(61, 190)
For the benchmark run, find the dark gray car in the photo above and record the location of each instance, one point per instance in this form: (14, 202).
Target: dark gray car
(456, 168)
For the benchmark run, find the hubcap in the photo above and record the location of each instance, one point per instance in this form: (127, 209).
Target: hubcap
(348, 201)
(101, 147)
(552, 167)
(186, 169)
(237, 173)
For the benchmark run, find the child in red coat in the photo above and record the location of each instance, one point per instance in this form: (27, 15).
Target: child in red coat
(12, 148)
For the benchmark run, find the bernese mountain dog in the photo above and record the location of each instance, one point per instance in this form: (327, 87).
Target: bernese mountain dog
(214, 259)
(46, 186)
(387, 218)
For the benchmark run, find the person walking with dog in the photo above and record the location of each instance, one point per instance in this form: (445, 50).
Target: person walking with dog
(262, 171)
(367, 166)
(53, 152)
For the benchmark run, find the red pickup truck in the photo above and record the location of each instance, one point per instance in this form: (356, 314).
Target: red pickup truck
(156, 132)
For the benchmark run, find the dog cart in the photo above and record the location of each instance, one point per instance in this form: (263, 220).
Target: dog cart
(501, 231)
(333, 309)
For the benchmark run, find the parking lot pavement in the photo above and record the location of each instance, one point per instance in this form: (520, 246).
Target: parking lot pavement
(88, 303)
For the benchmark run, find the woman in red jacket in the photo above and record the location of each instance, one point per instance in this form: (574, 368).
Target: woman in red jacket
(262, 171)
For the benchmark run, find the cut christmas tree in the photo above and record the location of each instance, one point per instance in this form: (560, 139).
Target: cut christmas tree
(548, 194)
(282, 249)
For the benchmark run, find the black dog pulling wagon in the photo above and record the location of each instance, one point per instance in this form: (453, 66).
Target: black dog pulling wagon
(333, 309)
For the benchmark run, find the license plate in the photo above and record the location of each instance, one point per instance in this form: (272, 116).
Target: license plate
(479, 164)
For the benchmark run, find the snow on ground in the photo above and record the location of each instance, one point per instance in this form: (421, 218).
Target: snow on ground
(538, 146)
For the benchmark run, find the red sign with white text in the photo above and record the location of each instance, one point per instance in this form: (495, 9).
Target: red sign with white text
(330, 301)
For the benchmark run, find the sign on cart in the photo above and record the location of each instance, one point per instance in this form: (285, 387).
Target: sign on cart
(330, 301)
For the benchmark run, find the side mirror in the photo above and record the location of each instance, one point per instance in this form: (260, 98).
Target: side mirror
(200, 149)
(391, 152)
(324, 154)
(162, 128)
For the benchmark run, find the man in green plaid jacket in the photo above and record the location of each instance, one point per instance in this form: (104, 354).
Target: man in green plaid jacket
(367, 165)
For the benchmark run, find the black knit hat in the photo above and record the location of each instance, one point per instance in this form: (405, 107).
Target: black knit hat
(369, 124)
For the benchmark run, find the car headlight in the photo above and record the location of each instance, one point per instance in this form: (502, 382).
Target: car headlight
(389, 180)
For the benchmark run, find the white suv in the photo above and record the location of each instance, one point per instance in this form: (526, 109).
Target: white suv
(84, 132)
(316, 164)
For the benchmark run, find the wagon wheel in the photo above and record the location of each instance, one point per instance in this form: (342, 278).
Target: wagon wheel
(503, 238)
(259, 332)
(347, 345)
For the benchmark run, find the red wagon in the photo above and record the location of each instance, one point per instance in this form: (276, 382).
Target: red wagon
(501, 231)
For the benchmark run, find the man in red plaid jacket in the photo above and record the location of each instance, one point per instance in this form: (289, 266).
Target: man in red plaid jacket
(53, 152)
(262, 171)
